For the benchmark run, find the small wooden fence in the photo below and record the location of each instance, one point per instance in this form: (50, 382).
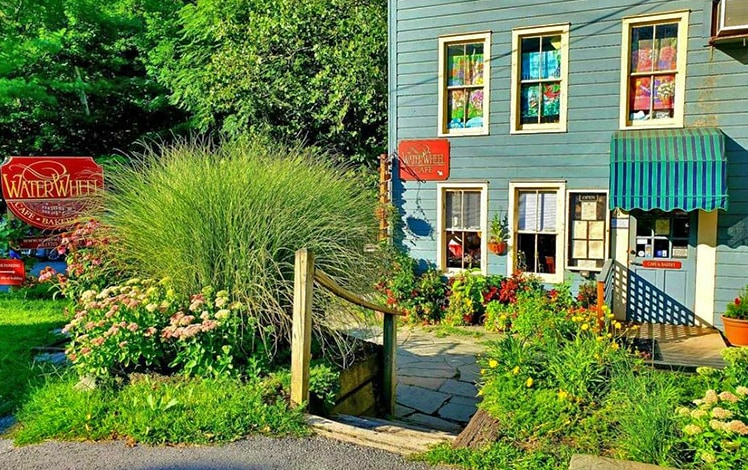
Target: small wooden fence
(301, 340)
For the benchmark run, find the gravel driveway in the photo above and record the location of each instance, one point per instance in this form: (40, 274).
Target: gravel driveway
(256, 453)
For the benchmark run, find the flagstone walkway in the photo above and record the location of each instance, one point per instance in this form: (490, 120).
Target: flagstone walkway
(436, 378)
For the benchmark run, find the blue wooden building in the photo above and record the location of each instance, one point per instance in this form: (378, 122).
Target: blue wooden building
(609, 131)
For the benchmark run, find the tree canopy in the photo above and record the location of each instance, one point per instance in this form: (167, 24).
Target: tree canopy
(313, 70)
(73, 76)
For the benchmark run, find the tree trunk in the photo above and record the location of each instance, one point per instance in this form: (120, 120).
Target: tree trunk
(482, 430)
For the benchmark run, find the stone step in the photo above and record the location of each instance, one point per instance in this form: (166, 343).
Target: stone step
(392, 436)
(593, 462)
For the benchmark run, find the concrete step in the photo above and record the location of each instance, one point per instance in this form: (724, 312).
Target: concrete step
(392, 436)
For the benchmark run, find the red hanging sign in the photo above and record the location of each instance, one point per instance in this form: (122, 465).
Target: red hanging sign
(50, 192)
(424, 160)
(12, 272)
(661, 264)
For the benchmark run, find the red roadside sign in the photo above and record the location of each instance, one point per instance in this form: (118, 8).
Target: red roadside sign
(50, 192)
(661, 264)
(12, 272)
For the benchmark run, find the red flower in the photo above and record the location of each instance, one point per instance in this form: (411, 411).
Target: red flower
(737, 300)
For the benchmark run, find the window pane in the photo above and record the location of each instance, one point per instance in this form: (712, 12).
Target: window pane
(547, 253)
(666, 40)
(456, 61)
(452, 215)
(530, 59)
(475, 109)
(528, 211)
(456, 103)
(642, 49)
(641, 98)
(551, 57)
(664, 95)
(548, 211)
(463, 250)
(526, 252)
(474, 64)
(551, 108)
(680, 227)
(529, 103)
(471, 209)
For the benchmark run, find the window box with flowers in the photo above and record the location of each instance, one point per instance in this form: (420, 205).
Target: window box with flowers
(499, 234)
(735, 319)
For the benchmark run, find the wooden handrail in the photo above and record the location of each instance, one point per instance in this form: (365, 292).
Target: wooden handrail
(328, 283)
(304, 276)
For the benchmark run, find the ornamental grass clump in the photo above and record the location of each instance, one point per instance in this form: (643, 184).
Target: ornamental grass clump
(232, 215)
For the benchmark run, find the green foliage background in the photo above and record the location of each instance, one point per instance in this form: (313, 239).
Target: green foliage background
(313, 70)
(73, 76)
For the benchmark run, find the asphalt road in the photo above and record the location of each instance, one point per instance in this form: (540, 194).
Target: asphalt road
(256, 453)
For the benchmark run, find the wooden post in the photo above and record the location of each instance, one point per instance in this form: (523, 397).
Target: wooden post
(384, 178)
(301, 338)
(600, 304)
(390, 363)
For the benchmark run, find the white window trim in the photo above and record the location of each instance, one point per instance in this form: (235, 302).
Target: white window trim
(560, 188)
(607, 226)
(515, 126)
(444, 41)
(441, 252)
(682, 17)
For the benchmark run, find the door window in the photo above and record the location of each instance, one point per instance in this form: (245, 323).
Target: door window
(662, 234)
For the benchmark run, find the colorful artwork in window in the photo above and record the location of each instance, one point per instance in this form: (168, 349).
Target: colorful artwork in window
(641, 93)
(475, 109)
(664, 87)
(551, 107)
(465, 65)
(456, 108)
(530, 103)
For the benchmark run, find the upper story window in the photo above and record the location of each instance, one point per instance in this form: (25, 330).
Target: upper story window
(464, 76)
(539, 79)
(653, 70)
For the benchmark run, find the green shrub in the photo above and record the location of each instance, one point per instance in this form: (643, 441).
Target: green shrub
(158, 410)
(232, 216)
(641, 403)
(141, 325)
(465, 299)
(716, 429)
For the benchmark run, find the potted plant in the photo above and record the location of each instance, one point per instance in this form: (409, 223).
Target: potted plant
(735, 319)
(498, 235)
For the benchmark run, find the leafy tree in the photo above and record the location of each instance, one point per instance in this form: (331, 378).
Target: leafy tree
(312, 69)
(73, 77)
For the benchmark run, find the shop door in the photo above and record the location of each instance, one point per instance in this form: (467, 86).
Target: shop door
(662, 267)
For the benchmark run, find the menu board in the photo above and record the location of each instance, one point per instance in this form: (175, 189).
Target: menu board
(588, 215)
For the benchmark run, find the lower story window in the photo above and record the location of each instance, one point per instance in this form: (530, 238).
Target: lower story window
(463, 230)
(538, 230)
(662, 234)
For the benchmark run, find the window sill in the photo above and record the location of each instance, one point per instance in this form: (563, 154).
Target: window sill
(455, 133)
(648, 125)
(539, 130)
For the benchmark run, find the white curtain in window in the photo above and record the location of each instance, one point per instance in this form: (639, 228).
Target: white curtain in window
(452, 210)
(537, 211)
(528, 211)
(548, 211)
(471, 209)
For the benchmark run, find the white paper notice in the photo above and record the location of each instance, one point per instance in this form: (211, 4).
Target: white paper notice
(580, 249)
(597, 230)
(597, 250)
(580, 229)
(589, 210)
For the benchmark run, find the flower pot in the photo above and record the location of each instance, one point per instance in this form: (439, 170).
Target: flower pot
(736, 331)
(497, 248)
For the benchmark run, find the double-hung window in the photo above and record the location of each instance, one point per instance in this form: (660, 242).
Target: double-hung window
(539, 79)
(462, 222)
(653, 70)
(464, 76)
(538, 243)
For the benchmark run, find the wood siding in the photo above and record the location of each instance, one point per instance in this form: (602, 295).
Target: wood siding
(716, 96)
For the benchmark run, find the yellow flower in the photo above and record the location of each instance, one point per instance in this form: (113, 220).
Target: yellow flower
(585, 327)
(529, 382)
(502, 317)
(480, 392)
(493, 363)
(562, 395)
(610, 335)
(614, 346)
(483, 372)
(617, 325)
(610, 315)
(515, 371)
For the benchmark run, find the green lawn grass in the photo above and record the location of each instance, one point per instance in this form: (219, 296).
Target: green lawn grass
(24, 324)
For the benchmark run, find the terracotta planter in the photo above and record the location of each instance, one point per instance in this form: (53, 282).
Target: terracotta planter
(497, 248)
(736, 331)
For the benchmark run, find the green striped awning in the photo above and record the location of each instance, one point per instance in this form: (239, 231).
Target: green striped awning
(668, 169)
